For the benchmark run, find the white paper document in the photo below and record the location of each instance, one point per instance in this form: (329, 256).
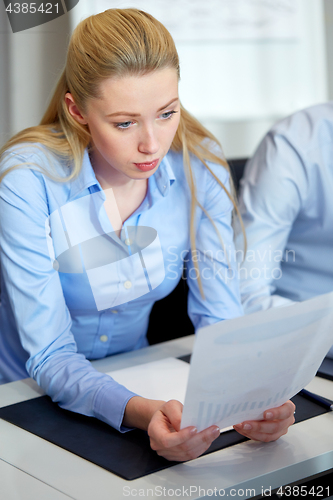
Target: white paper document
(164, 379)
(241, 367)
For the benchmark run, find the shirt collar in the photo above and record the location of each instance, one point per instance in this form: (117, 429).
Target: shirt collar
(164, 177)
(85, 179)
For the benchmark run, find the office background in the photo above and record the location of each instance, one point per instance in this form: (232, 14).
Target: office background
(237, 77)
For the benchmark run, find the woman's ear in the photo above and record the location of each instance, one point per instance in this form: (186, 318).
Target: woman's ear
(73, 109)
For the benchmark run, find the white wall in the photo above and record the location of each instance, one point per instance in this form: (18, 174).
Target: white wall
(5, 118)
(30, 63)
(238, 89)
(328, 10)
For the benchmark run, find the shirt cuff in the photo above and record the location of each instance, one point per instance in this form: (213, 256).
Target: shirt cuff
(110, 403)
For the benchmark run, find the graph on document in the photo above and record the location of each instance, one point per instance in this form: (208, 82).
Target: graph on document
(210, 413)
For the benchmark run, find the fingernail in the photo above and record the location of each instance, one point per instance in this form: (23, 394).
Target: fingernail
(269, 415)
(216, 432)
(193, 430)
(247, 427)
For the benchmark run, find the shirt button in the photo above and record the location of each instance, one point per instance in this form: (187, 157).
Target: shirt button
(114, 311)
(104, 338)
(128, 241)
(127, 285)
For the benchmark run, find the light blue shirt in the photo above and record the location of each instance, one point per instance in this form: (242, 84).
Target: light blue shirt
(72, 291)
(286, 201)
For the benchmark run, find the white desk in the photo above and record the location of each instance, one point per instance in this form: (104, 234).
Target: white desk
(31, 467)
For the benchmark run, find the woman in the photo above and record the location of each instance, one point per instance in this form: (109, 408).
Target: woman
(96, 206)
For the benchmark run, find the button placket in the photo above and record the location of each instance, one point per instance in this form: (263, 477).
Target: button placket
(128, 279)
(104, 335)
(128, 284)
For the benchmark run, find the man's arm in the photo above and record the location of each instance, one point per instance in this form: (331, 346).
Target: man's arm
(272, 190)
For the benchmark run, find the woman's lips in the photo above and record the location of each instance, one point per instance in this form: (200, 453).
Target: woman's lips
(148, 165)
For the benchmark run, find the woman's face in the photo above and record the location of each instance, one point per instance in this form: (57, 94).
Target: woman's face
(132, 124)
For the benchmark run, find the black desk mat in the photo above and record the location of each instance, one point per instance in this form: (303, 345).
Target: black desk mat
(127, 455)
(326, 369)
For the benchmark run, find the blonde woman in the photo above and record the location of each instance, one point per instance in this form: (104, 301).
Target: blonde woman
(100, 205)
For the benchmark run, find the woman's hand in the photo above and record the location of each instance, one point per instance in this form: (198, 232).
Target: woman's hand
(162, 421)
(275, 424)
(170, 442)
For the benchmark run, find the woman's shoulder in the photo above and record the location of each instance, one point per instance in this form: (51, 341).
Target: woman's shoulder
(33, 159)
(24, 151)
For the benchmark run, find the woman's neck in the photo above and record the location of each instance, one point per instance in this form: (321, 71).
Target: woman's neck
(127, 193)
(119, 184)
(107, 176)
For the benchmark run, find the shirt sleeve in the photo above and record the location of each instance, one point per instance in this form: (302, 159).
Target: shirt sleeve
(215, 256)
(40, 312)
(272, 190)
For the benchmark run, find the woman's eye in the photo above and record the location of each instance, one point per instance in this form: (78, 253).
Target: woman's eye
(124, 125)
(167, 115)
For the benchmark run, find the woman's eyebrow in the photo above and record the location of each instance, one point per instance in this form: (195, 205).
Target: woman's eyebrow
(126, 113)
(171, 102)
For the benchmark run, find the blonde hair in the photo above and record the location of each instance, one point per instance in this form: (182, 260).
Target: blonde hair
(116, 43)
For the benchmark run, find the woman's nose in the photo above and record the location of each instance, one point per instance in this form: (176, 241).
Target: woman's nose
(148, 143)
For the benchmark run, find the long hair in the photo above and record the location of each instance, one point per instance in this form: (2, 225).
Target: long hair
(115, 43)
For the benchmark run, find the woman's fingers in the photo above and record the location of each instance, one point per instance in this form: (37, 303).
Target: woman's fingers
(281, 412)
(161, 438)
(174, 444)
(190, 448)
(275, 424)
